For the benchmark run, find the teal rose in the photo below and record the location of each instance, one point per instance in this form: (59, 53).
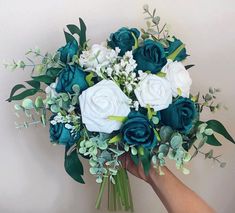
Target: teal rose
(179, 115)
(139, 131)
(150, 56)
(68, 51)
(61, 135)
(69, 76)
(173, 45)
(124, 38)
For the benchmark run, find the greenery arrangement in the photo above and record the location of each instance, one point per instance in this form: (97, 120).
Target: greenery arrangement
(128, 95)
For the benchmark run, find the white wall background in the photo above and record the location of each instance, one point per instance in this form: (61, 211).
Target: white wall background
(32, 178)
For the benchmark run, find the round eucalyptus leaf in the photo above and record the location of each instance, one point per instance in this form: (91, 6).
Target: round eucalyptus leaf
(155, 119)
(154, 159)
(209, 131)
(17, 107)
(27, 103)
(93, 170)
(65, 97)
(185, 171)
(74, 100)
(99, 180)
(164, 148)
(223, 164)
(54, 108)
(176, 141)
(76, 88)
(166, 133)
(133, 151)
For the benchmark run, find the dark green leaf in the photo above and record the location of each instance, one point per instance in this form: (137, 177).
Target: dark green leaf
(73, 29)
(34, 84)
(53, 72)
(24, 94)
(189, 66)
(68, 37)
(219, 128)
(146, 161)
(82, 38)
(44, 78)
(14, 89)
(135, 159)
(212, 140)
(73, 166)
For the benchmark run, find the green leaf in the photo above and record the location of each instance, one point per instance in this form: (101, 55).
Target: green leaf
(44, 78)
(176, 141)
(53, 72)
(173, 55)
(27, 103)
(34, 84)
(212, 140)
(22, 95)
(68, 37)
(146, 161)
(117, 151)
(189, 66)
(82, 38)
(136, 41)
(121, 119)
(73, 29)
(13, 91)
(150, 112)
(89, 79)
(165, 133)
(161, 74)
(133, 151)
(73, 166)
(219, 128)
(135, 159)
(115, 139)
(39, 102)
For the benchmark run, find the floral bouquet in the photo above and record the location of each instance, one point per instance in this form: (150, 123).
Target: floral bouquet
(127, 96)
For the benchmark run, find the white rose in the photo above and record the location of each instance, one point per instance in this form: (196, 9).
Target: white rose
(100, 101)
(154, 91)
(178, 77)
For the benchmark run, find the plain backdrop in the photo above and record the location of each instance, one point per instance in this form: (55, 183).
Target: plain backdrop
(32, 177)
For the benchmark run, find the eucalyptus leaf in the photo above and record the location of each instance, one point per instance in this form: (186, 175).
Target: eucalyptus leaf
(166, 133)
(39, 102)
(27, 103)
(176, 141)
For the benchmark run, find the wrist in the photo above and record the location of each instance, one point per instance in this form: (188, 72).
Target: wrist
(155, 178)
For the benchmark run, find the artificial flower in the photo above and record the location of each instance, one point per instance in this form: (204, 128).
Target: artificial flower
(100, 101)
(179, 115)
(124, 39)
(68, 51)
(150, 56)
(153, 91)
(71, 75)
(139, 131)
(178, 77)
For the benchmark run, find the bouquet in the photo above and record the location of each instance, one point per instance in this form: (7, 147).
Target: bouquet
(129, 95)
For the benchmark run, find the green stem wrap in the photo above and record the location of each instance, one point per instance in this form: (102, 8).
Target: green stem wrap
(119, 194)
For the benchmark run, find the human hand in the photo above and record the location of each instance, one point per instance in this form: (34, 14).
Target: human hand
(136, 170)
